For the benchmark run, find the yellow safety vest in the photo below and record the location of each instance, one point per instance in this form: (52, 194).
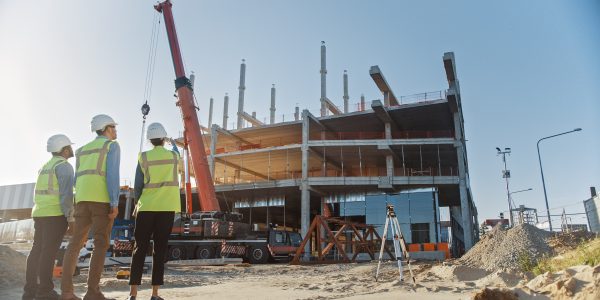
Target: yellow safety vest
(90, 182)
(46, 196)
(161, 185)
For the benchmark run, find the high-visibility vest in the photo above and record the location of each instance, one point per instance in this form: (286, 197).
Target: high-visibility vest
(90, 182)
(46, 195)
(161, 185)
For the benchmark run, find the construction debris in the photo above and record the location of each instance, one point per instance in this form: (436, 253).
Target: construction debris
(506, 249)
(12, 267)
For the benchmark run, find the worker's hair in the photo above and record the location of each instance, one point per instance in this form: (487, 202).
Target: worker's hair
(100, 132)
(157, 142)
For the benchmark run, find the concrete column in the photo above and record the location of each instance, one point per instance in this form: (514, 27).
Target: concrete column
(465, 206)
(386, 98)
(389, 165)
(210, 113)
(346, 97)
(272, 116)
(241, 88)
(389, 159)
(323, 79)
(305, 196)
(362, 102)
(225, 111)
(213, 149)
(388, 131)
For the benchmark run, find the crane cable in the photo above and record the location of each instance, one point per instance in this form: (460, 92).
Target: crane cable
(151, 63)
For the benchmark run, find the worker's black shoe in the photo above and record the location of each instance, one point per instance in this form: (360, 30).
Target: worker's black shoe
(156, 298)
(131, 298)
(99, 296)
(28, 296)
(51, 295)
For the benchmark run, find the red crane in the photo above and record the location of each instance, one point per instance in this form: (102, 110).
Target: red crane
(192, 133)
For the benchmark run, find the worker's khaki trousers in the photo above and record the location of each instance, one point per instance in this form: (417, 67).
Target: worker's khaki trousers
(88, 215)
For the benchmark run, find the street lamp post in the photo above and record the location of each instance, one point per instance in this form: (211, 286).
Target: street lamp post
(506, 175)
(542, 171)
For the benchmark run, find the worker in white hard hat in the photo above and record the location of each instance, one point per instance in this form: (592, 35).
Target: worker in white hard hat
(51, 213)
(157, 190)
(96, 205)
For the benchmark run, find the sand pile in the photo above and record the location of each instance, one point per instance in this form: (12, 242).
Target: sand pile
(12, 267)
(505, 249)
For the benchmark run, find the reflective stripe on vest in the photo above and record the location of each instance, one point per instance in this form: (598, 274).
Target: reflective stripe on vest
(90, 183)
(102, 152)
(161, 186)
(146, 166)
(47, 195)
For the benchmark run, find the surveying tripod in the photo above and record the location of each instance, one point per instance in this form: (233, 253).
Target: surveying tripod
(399, 243)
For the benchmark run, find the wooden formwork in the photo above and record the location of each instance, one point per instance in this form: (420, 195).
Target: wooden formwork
(328, 235)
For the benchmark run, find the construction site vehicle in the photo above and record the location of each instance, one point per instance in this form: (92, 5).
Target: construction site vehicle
(212, 231)
(201, 237)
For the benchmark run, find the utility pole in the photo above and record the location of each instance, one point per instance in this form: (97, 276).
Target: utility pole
(506, 175)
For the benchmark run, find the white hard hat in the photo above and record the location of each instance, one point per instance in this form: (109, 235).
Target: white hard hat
(57, 142)
(99, 122)
(156, 131)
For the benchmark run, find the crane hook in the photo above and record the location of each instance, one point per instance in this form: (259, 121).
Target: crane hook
(145, 110)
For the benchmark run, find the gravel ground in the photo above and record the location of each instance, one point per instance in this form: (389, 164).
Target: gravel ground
(12, 267)
(500, 249)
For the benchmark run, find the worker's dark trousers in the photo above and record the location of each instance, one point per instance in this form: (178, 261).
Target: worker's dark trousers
(155, 225)
(48, 235)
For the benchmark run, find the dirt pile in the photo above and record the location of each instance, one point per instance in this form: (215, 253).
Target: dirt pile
(495, 294)
(507, 249)
(563, 242)
(12, 267)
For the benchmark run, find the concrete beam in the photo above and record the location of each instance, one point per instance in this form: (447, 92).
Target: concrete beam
(332, 107)
(231, 135)
(254, 121)
(259, 150)
(245, 170)
(382, 114)
(351, 143)
(384, 87)
(450, 67)
(320, 154)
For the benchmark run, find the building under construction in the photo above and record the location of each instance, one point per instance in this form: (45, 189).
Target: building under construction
(286, 173)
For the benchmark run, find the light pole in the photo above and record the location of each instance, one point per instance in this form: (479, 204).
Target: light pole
(506, 175)
(542, 171)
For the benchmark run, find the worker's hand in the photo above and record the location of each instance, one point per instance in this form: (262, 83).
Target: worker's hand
(114, 211)
(70, 229)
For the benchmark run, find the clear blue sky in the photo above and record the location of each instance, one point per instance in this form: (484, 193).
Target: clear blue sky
(527, 69)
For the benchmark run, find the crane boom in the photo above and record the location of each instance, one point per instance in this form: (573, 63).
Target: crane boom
(192, 132)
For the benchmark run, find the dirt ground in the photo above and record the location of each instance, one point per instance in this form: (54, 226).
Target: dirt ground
(282, 281)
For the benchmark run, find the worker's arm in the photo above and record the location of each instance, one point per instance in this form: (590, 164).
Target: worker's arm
(175, 149)
(65, 176)
(113, 160)
(138, 185)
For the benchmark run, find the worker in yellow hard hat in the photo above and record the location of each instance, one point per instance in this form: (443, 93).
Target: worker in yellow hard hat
(157, 190)
(97, 205)
(53, 203)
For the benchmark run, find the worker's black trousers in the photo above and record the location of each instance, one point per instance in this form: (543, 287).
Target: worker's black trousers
(155, 225)
(48, 235)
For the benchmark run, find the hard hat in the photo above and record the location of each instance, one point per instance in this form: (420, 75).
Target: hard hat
(156, 131)
(57, 142)
(99, 122)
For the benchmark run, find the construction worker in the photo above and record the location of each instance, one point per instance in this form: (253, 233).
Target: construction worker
(96, 205)
(53, 202)
(157, 190)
